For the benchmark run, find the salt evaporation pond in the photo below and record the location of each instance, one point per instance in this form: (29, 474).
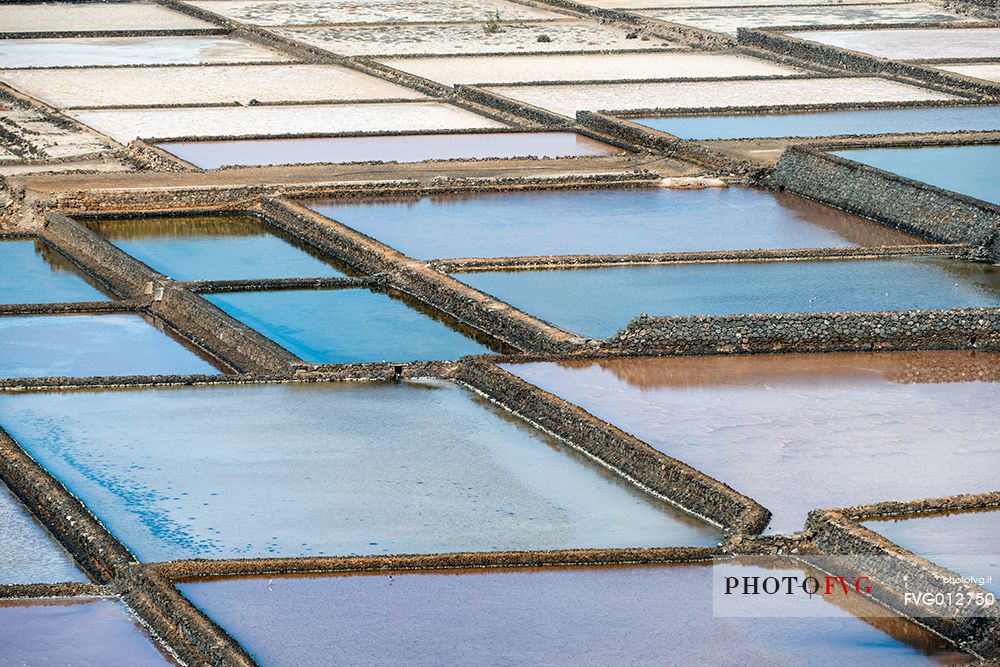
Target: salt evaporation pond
(965, 542)
(579, 616)
(802, 432)
(329, 469)
(87, 631)
(828, 123)
(972, 170)
(87, 345)
(590, 222)
(393, 148)
(90, 51)
(32, 272)
(352, 325)
(215, 248)
(599, 302)
(28, 554)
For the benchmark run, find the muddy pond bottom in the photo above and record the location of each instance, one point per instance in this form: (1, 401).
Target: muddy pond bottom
(353, 325)
(396, 148)
(329, 469)
(572, 616)
(967, 170)
(32, 272)
(787, 429)
(74, 632)
(599, 302)
(604, 222)
(966, 542)
(87, 345)
(215, 248)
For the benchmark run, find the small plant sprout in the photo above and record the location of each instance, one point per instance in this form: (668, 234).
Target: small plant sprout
(493, 24)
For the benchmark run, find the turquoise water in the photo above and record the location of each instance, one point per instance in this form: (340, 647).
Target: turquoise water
(657, 615)
(590, 222)
(828, 123)
(968, 170)
(28, 554)
(328, 469)
(347, 325)
(599, 302)
(397, 148)
(84, 345)
(215, 248)
(31, 272)
(82, 631)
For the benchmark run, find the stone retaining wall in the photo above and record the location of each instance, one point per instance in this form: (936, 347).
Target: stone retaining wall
(629, 457)
(964, 328)
(906, 204)
(896, 571)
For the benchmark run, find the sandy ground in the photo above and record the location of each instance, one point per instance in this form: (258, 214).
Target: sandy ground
(728, 20)
(567, 100)
(319, 119)
(914, 43)
(673, 4)
(305, 174)
(82, 52)
(987, 71)
(83, 165)
(469, 39)
(196, 85)
(514, 69)
(55, 17)
(308, 12)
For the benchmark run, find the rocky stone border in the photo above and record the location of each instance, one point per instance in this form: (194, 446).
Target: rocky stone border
(959, 329)
(896, 571)
(900, 202)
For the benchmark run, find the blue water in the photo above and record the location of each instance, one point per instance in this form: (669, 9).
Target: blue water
(86, 345)
(31, 272)
(589, 222)
(828, 123)
(599, 302)
(346, 326)
(244, 471)
(215, 248)
(968, 170)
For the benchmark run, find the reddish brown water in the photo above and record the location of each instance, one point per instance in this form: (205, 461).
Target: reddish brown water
(570, 616)
(799, 432)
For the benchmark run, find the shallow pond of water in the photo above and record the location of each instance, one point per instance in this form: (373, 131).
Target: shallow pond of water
(828, 123)
(595, 222)
(396, 148)
(965, 542)
(32, 272)
(85, 345)
(352, 325)
(74, 632)
(599, 302)
(215, 248)
(328, 469)
(803, 432)
(28, 554)
(579, 616)
(968, 170)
